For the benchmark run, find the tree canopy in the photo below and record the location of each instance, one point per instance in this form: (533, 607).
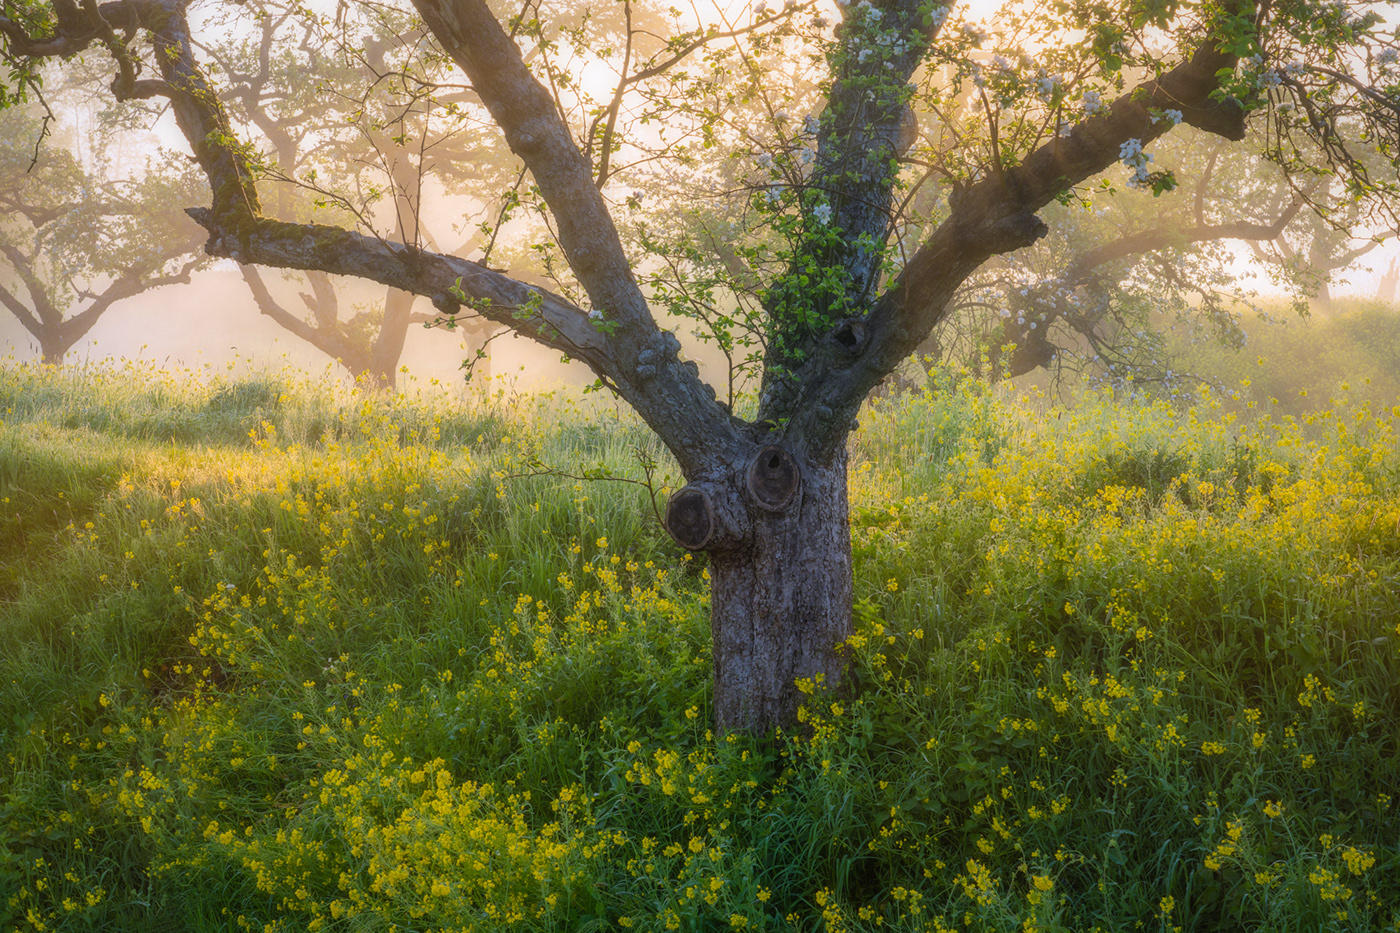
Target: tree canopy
(78, 235)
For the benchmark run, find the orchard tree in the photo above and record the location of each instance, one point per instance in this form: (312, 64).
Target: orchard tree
(77, 239)
(1061, 93)
(1095, 296)
(341, 127)
(1312, 254)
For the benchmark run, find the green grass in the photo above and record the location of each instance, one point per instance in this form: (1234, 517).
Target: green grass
(277, 658)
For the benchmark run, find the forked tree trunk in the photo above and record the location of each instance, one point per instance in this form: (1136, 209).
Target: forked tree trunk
(778, 535)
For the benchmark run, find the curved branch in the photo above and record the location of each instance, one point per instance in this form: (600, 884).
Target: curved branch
(1146, 241)
(642, 360)
(998, 215)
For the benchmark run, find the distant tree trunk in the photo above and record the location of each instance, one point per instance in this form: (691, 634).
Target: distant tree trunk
(779, 541)
(53, 352)
(56, 335)
(1386, 289)
(1322, 301)
(393, 331)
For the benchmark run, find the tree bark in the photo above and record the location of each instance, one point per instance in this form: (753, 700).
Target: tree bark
(779, 541)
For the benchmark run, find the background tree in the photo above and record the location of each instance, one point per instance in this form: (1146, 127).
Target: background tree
(1310, 255)
(342, 129)
(840, 309)
(1096, 296)
(77, 239)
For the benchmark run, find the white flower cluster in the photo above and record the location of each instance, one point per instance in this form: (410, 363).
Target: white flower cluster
(1173, 117)
(882, 45)
(1271, 77)
(822, 213)
(1387, 57)
(866, 9)
(1132, 155)
(1342, 10)
(1047, 85)
(1092, 103)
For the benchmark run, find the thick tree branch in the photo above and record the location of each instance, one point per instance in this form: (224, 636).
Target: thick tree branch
(668, 395)
(866, 127)
(445, 280)
(23, 265)
(130, 284)
(1046, 303)
(20, 311)
(998, 215)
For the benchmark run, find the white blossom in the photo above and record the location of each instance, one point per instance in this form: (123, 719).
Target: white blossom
(1091, 103)
(1132, 155)
(822, 213)
(1048, 84)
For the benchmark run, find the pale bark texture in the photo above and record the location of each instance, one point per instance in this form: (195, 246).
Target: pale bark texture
(780, 605)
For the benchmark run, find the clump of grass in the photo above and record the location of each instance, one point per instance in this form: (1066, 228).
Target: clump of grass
(353, 661)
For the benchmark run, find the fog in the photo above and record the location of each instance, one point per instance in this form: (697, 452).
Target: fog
(213, 323)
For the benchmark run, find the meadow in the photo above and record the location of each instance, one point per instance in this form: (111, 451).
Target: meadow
(275, 657)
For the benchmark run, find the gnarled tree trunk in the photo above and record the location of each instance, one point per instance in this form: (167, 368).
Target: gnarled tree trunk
(778, 535)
